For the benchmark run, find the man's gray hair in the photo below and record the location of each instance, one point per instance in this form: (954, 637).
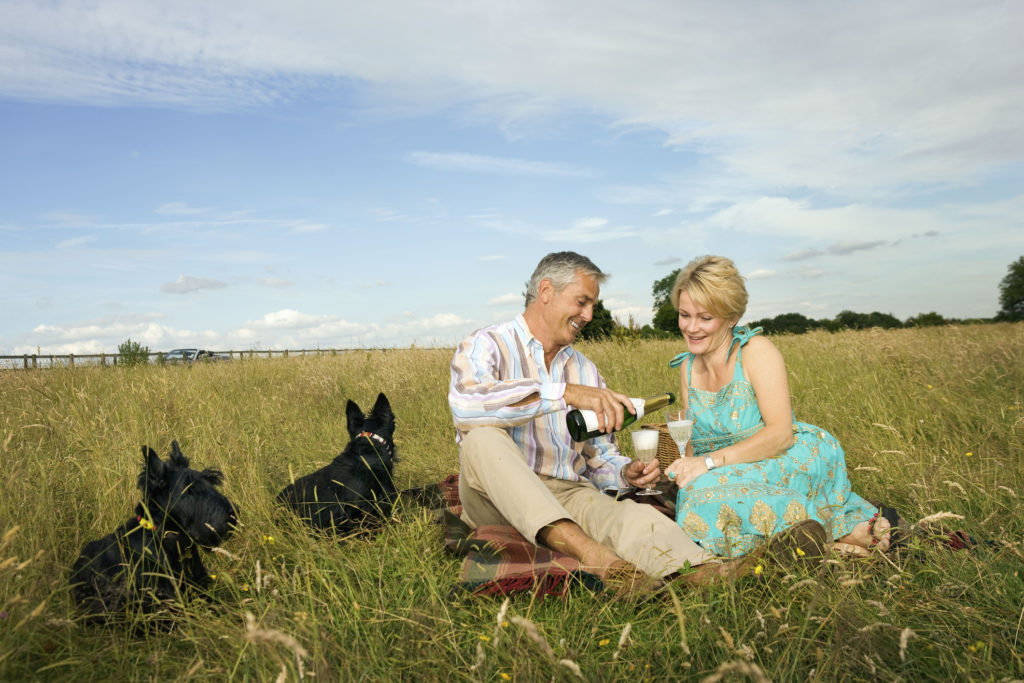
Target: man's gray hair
(560, 268)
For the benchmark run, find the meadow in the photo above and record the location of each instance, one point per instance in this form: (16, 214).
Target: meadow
(931, 421)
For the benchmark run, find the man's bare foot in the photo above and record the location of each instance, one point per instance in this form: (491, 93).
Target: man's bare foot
(868, 535)
(567, 537)
(711, 573)
(626, 580)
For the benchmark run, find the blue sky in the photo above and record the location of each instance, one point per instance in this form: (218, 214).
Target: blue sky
(262, 175)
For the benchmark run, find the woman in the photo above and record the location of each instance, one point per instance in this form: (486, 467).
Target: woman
(758, 470)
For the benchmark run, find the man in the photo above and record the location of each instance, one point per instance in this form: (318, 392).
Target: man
(511, 385)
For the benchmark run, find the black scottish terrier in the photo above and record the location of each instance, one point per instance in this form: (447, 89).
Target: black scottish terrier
(355, 491)
(151, 560)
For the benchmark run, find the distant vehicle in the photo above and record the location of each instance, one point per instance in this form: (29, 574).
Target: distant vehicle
(189, 356)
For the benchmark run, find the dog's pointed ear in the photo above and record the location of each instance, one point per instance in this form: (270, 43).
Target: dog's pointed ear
(355, 418)
(383, 416)
(153, 470)
(177, 457)
(214, 476)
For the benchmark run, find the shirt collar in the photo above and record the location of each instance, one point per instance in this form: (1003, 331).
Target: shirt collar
(534, 343)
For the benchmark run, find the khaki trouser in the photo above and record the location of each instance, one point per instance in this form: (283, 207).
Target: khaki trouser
(497, 487)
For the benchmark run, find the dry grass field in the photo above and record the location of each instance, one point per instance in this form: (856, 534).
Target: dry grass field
(931, 421)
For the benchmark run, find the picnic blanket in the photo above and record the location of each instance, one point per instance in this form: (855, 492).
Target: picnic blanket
(497, 560)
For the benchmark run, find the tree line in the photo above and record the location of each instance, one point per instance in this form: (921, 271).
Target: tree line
(664, 324)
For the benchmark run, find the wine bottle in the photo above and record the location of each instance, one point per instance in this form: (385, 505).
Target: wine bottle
(582, 424)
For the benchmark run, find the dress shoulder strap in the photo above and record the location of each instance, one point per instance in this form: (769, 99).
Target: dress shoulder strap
(741, 334)
(683, 357)
(679, 359)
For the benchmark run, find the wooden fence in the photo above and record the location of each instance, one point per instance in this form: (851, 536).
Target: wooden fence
(30, 361)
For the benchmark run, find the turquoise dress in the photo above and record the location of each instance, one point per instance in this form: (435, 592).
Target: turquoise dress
(733, 508)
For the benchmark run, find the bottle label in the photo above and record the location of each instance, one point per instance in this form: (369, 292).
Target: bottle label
(590, 417)
(639, 404)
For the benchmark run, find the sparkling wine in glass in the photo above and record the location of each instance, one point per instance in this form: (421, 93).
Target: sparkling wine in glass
(680, 429)
(645, 444)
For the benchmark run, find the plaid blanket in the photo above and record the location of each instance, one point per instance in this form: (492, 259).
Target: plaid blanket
(497, 559)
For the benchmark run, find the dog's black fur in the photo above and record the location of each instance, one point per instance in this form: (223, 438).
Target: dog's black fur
(355, 491)
(154, 558)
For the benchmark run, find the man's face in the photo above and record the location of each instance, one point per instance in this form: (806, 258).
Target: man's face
(566, 312)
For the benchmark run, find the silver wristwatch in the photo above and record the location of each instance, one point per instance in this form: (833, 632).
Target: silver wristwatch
(709, 462)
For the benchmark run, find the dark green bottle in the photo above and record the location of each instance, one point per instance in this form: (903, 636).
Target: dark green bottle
(582, 424)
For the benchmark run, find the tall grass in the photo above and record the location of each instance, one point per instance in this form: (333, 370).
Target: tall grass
(931, 421)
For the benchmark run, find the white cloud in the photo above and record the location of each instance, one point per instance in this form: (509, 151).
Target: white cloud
(179, 208)
(782, 107)
(761, 274)
(588, 230)
(506, 299)
(75, 242)
(475, 163)
(186, 284)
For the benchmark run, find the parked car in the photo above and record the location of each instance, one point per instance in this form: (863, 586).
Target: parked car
(189, 356)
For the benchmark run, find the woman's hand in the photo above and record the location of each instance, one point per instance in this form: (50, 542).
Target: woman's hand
(684, 470)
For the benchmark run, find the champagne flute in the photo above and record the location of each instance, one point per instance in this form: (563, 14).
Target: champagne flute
(645, 444)
(680, 429)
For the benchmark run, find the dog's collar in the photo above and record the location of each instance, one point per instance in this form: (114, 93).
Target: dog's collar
(375, 437)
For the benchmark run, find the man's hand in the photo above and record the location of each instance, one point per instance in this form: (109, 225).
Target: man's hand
(640, 474)
(609, 405)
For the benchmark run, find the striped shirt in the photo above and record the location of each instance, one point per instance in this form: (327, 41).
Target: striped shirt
(500, 365)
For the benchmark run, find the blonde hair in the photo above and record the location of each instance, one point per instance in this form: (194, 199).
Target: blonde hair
(714, 283)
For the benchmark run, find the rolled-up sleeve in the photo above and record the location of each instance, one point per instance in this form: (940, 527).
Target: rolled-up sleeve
(477, 397)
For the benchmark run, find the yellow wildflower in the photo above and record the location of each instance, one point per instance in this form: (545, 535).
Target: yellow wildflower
(970, 453)
(800, 552)
(758, 569)
(505, 676)
(603, 642)
(486, 639)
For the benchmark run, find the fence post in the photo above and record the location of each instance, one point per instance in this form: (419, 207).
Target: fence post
(35, 361)
(26, 361)
(103, 360)
(71, 360)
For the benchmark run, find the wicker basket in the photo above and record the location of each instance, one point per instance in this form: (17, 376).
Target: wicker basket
(667, 450)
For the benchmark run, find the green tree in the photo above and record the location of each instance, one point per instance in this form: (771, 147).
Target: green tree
(852, 320)
(863, 321)
(600, 326)
(132, 353)
(926, 320)
(1011, 292)
(665, 316)
(786, 323)
(884, 320)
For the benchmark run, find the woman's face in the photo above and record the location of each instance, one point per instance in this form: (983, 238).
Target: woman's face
(703, 331)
